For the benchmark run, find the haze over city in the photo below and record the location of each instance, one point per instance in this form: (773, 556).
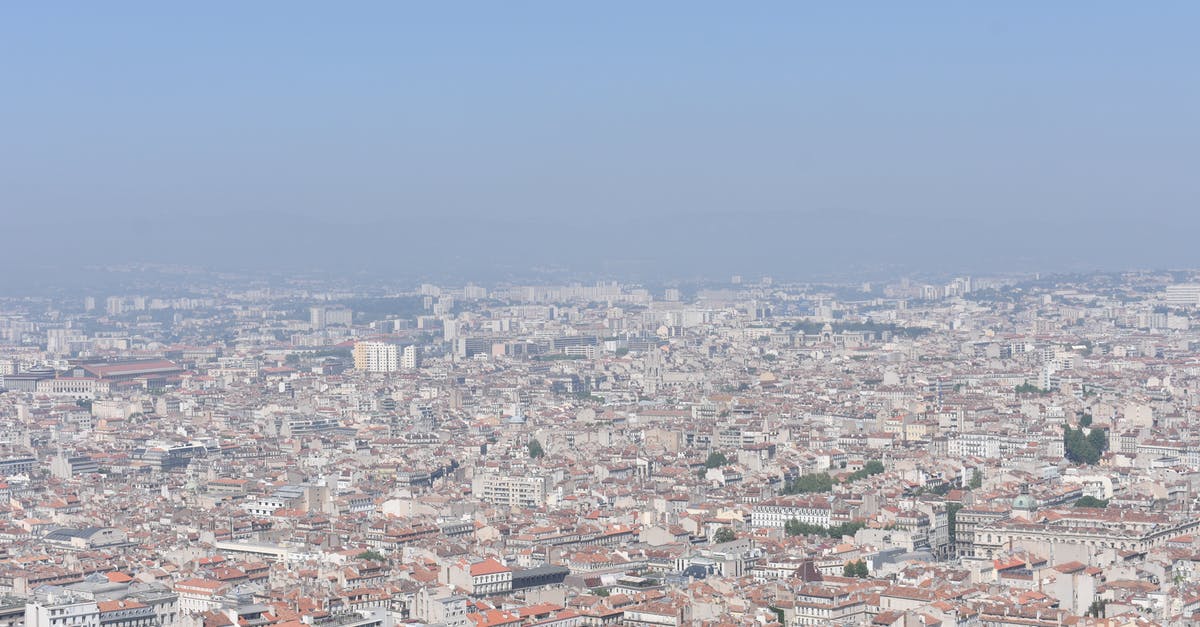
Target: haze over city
(534, 314)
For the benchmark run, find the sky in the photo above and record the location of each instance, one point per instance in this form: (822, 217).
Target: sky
(678, 138)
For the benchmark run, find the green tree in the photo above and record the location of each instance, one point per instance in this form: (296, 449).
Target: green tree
(1079, 448)
(716, 460)
(1074, 444)
(1092, 502)
(373, 555)
(872, 467)
(1098, 439)
(1085, 420)
(845, 529)
(976, 479)
(809, 484)
(952, 520)
(857, 568)
(724, 534)
(535, 448)
(794, 527)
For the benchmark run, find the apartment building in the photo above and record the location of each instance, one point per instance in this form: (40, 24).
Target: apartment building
(776, 512)
(510, 490)
(376, 357)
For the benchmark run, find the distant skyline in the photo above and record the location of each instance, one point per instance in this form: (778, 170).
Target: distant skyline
(677, 138)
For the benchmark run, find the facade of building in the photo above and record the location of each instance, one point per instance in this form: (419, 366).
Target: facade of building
(510, 490)
(776, 512)
(376, 357)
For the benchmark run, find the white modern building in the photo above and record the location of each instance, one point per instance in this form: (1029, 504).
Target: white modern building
(376, 357)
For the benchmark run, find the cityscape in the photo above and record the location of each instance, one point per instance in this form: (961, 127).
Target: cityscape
(976, 451)
(579, 314)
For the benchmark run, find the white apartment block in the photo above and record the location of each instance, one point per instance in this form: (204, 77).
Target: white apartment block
(408, 358)
(62, 610)
(376, 357)
(1183, 295)
(510, 490)
(776, 512)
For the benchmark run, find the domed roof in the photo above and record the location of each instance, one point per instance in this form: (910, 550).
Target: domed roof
(1024, 502)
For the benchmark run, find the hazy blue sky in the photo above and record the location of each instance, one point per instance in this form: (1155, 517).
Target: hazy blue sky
(609, 135)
